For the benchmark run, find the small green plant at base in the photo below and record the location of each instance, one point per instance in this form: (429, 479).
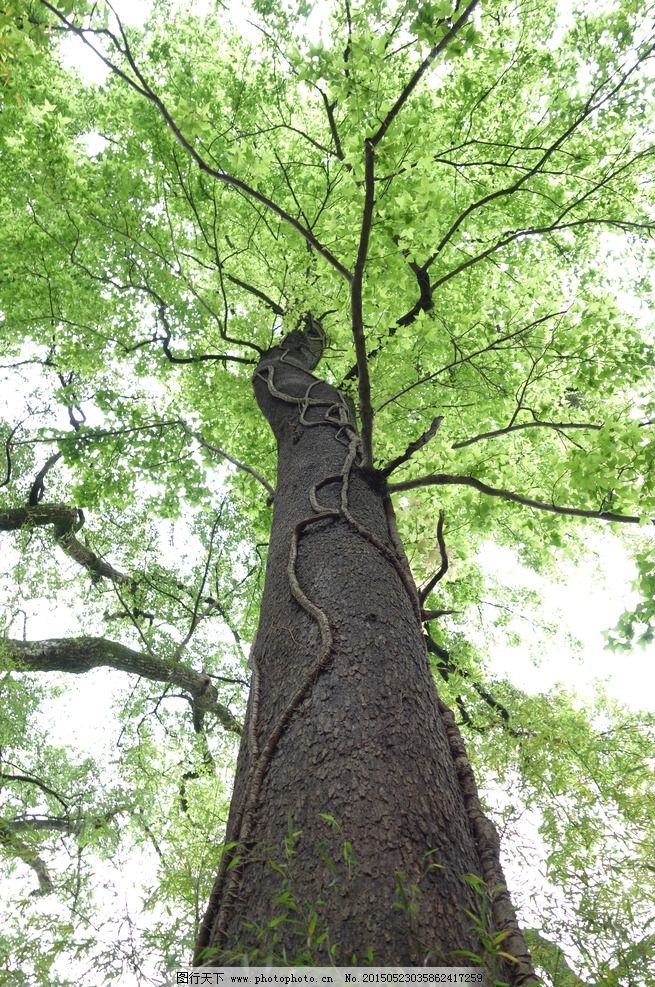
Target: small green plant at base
(492, 956)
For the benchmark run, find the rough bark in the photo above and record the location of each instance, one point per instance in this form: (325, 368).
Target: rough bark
(352, 828)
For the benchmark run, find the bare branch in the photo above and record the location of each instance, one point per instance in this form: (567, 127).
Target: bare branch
(364, 382)
(420, 72)
(517, 428)
(349, 44)
(71, 406)
(66, 522)
(141, 85)
(445, 479)
(91, 434)
(443, 568)
(427, 615)
(81, 654)
(414, 446)
(423, 304)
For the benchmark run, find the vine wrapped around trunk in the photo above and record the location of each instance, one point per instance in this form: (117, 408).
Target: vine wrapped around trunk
(344, 738)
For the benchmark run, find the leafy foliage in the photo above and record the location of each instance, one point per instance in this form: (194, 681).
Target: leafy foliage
(482, 180)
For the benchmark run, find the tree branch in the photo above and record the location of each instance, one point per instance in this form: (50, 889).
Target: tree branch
(363, 379)
(231, 459)
(66, 522)
(29, 780)
(420, 72)
(329, 109)
(425, 301)
(423, 304)
(443, 568)
(517, 428)
(538, 231)
(8, 444)
(495, 344)
(448, 667)
(196, 615)
(38, 488)
(445, 479)
(29, 856)
(143, 88)
(197, 358)
(78, 655)
(57, 824)
(257, 292)
(414, 446)
(589, 108)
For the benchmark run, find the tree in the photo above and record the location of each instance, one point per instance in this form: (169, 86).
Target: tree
(345, 192)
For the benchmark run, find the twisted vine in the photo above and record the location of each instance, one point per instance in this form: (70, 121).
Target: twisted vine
(335, 415)
(224, 896)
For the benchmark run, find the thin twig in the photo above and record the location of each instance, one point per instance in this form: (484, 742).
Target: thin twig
(589, 108)
(494, 345)
(517, 428)
(141, 85)
(196, 616)
(445, 479)
(231, 459)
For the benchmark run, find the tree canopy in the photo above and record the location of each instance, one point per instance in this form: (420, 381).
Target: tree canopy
(461, 197)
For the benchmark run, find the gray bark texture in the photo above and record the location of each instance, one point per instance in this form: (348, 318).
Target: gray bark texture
(349, 837)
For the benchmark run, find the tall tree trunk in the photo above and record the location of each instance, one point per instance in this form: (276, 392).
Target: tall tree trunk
(352, 832)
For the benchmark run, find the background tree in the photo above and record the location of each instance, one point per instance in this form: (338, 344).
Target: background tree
(445, 192)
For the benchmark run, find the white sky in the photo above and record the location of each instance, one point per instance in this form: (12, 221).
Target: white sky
(588, 601)
(583, 603)
(587, 605)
